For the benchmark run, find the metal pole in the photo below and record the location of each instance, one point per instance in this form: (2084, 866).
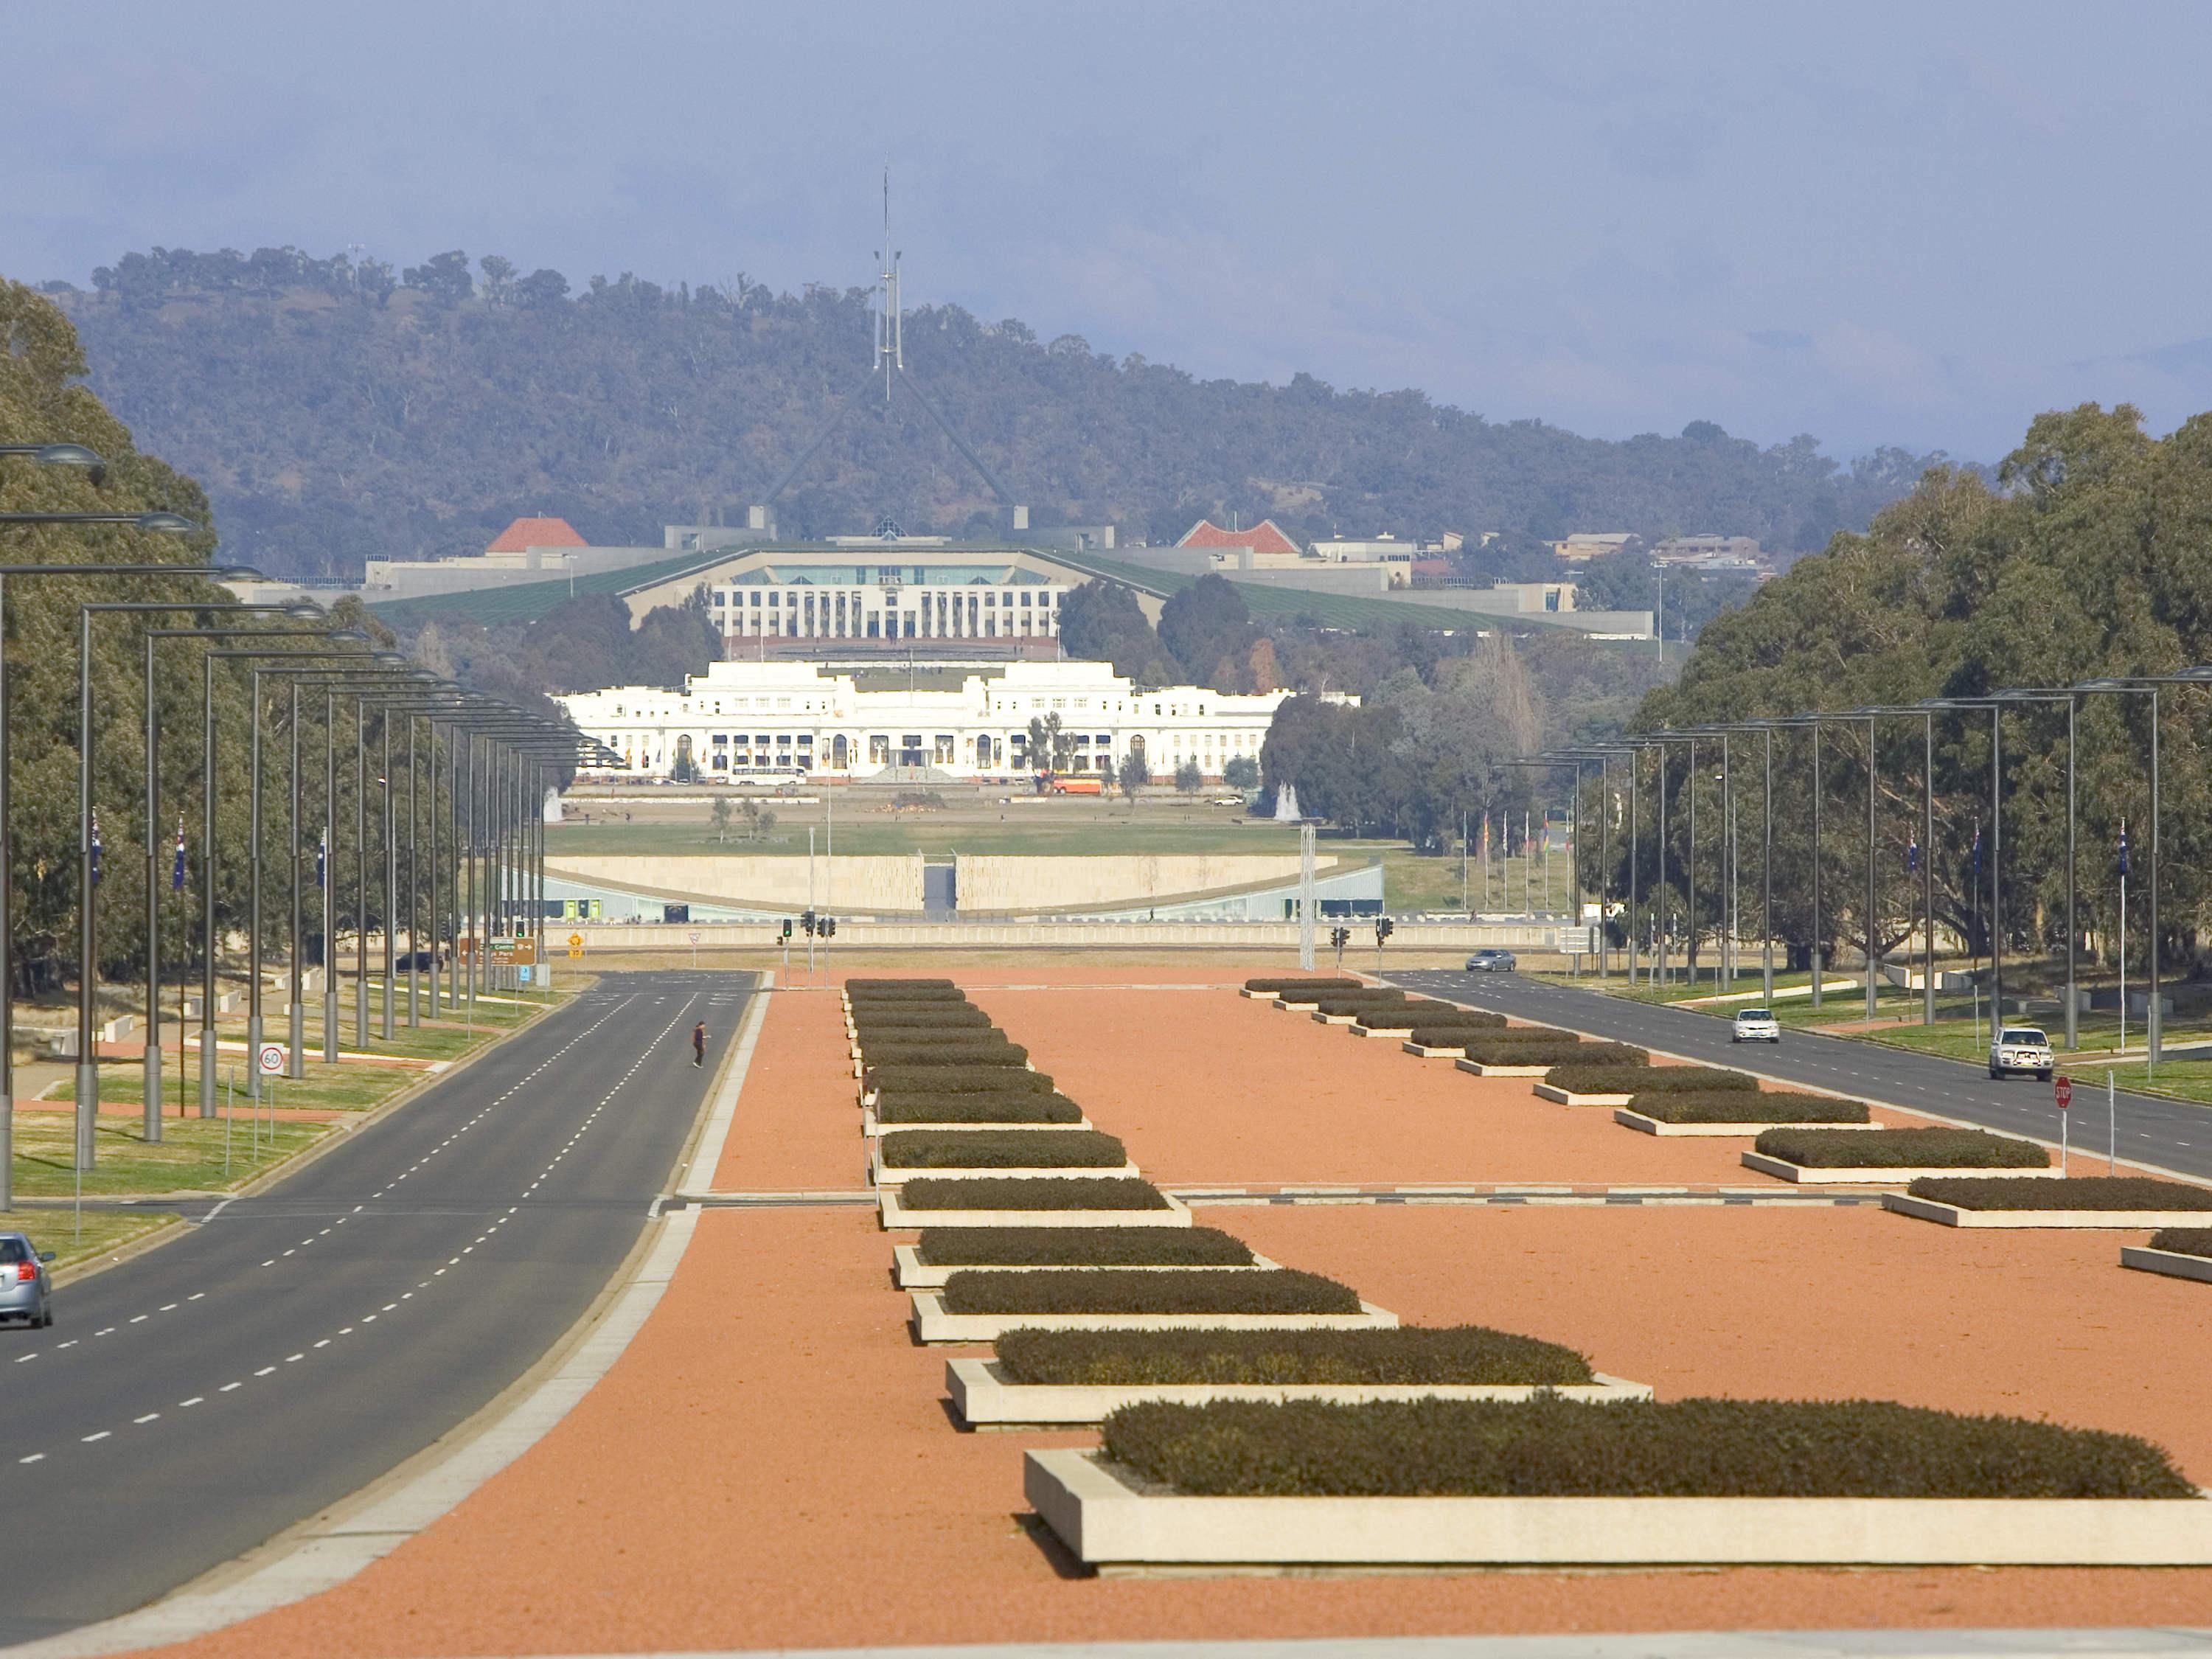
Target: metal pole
(1767, 874)
(361, 871)
(7, 939)
(414, 893)
(1873, 943)
(476, 941)
(2154, 1017)
(1728, 869)
(1634, 858)
(1689, 872)
(1659, 887)
(1817, 975)
(296, 1065)
(1928, 866)
(87, 973)
(329, 882)
(391, 875)
(2073, 1001)
(1997, 868)
(207, 887)
(151, 1095)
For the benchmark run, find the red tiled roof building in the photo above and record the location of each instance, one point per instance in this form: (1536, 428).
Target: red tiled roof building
(1261, 537)
(535, 532)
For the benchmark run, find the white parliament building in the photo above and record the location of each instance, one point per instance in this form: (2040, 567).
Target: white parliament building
(783, 718)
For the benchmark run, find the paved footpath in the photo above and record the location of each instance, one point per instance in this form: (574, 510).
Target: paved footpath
(2172, 1134)
(192, 1404)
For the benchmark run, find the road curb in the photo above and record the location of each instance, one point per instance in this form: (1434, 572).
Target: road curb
(328, 1549)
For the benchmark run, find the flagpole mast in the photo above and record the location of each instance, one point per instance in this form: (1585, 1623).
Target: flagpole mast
(2123, 936)
(150, 1095)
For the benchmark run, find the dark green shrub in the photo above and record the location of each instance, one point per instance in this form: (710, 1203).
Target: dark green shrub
(2079, 1192)
(946, 1053)
(1342, 1007)
(1302, 987)
(1002, 1149)
(1504, 1049)
(1082, 1247)
(1616, 1058)
(1414, 1011)
(857, 988)
(1553, 1448)
(1133, 1290)
(1000, 1106)
(1903, 1149)
(924, 1016)
(1444, 1036)
(1743, 1105)
(957, 1080)
(1694, 1080)
(1037, 1193)
(1465, 1355)
(2183, 1241)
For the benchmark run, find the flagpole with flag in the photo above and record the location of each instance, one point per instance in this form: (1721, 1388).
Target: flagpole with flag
(177, 866)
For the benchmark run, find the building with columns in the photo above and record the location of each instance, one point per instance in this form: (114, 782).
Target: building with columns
(783, 719)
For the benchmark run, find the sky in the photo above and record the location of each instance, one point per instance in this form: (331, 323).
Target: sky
(1906, 224)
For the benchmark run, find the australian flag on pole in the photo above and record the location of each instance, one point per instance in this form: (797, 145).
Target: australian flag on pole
(1913, 856)
(1977, 851)
(322, 856)
(95, 847)
(2124, 847)
(177, 866)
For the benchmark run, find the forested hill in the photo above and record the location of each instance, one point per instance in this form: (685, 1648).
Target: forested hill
(338, 412)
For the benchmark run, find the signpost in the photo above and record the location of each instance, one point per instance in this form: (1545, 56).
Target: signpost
(575, 946)
(2062, 1090)
(272, 1059)
(695, 950)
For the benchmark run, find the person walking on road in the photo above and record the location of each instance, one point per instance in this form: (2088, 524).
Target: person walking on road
(699, 1043)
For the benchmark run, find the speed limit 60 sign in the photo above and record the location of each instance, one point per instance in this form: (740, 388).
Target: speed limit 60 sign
(270, 1058)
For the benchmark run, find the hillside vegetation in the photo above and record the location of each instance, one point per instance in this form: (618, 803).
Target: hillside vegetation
(337, 412)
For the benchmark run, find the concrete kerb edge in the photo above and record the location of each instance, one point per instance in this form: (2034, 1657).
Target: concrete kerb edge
(171, 1230)
(327, 1550)
(1795, 1087)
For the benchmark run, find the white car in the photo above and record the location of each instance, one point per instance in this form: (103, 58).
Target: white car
(2021, 1048)
(1755, 1025)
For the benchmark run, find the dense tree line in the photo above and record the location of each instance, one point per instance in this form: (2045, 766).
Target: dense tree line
(340, 411)
(2085, 560)
(43, 400)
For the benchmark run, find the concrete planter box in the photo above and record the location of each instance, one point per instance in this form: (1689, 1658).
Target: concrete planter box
(1105, 1523)
(1652, 1126)
(884, 1176)
(1352, 1020)
(1290, 1006)
(1480, 1070)
(1566, 1097)
(1823, 1175)
(982, 1398)
(912, 1273)
(1952, 1215)
(870, 1126)
(897, 1215)
(1430, 1052)
(2174, 1264)
(933, 1324)
(1396, 1033)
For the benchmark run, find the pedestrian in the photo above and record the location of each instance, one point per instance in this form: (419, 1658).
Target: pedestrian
(699, 1043)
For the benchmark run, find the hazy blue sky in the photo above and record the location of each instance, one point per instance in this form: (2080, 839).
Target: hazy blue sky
(1907, 223)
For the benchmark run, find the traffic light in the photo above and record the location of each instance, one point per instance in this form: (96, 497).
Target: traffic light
(1383, 928)
(829, 926)
(806, 920)
(787, 929)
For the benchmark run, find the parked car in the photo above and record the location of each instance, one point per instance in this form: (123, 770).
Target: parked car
(26, 1289)
(2021, 1048)
(1492, 962)
(1755, 1025)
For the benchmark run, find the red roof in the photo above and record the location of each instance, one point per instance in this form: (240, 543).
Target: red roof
(1261, 537)
(537, 533)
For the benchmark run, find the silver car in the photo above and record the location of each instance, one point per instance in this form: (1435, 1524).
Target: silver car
(27, 1290)
(1755, 1025)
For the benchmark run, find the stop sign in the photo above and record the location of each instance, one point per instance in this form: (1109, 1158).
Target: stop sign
(2064, 1091)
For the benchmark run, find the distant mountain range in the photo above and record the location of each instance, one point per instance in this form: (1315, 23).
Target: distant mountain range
(337, 412)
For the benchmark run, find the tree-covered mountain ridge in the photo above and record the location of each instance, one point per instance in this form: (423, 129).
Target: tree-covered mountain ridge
(337, 411)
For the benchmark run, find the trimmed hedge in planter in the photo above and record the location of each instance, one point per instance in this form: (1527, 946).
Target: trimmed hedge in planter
(2078, 1193)
(922, 1016)
(1340, 1007)
(1552, 1448)
(857, 988)
(1503, 1048)
(1414, 1011)
(944, 1054)
(1000, 1106)
(1044, 1193)
(1693, 1080)
(1612, 1058)
(1742, 1105)
(1446, 1355)
(898, 1079)
(1448, 1016)
(2184, 1241)
(1279, 987)
(1133, 1291)
(1082, 1247)
(1902, 1149)
(1003, 1149)
(1446, 1036)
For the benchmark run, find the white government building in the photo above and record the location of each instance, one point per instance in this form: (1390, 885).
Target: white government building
(780, 718)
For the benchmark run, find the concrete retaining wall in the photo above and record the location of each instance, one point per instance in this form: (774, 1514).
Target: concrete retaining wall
(774, 881)
(1013, 882)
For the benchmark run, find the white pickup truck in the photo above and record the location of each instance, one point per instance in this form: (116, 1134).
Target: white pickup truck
(2021, 1048)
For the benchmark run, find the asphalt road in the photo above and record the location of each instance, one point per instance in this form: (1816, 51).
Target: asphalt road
(192, 1404)
(2170, 1134)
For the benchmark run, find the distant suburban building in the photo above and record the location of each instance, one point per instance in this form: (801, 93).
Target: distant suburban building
(784, 719)
(1717, 554)
(1262, 537)
(1524, 598)
(1584, 545)
(525, 533)
(530, 550)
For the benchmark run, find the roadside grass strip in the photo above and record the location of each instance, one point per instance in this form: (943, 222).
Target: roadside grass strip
(1557, 1482)
(1814, 1155)
(2123, 1201)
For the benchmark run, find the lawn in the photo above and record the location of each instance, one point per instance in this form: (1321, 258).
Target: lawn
(72, 1241)
(195, 1154)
